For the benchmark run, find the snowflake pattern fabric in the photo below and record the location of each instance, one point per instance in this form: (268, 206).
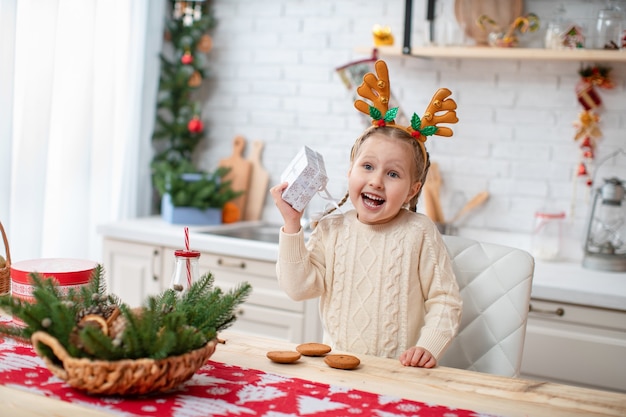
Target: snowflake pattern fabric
(218, 389)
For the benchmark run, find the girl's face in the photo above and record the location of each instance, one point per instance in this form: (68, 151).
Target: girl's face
(381, 179)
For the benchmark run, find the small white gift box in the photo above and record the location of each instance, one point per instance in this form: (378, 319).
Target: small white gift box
(305, 175)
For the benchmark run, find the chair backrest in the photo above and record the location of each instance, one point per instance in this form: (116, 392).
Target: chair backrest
(495, 283)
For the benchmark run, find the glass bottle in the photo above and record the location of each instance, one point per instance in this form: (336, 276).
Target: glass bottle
(185, 270)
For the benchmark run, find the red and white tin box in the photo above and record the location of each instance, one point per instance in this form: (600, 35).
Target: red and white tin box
(69, 273)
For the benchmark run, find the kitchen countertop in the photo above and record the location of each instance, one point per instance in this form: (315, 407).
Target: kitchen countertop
(559, 281)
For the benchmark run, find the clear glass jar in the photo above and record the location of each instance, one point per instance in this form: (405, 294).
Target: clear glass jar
(609, 27)
(185, 270)
(546, 237)
(555, 29)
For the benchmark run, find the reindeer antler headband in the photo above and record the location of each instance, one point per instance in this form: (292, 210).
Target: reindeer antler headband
(376, 89)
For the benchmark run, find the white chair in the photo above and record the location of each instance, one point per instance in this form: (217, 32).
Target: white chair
(495, 283)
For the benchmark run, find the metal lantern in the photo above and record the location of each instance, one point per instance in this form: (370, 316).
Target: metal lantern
(188, 11)
(605, 246)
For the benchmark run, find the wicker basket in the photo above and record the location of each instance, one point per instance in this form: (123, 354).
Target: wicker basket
(5, 273)
(123, 377)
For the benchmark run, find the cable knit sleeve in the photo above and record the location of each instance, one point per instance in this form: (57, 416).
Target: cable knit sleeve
(300, 270)
(443, 303)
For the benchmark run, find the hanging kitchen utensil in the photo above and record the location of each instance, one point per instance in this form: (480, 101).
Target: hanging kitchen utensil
(476, 201)
(432, 186)
(259, 179)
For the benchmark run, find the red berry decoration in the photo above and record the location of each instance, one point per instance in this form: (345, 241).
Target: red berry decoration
(195, 125)
(187, 58)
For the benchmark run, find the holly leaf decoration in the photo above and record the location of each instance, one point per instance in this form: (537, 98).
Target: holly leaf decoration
(429, 130)
(375, 113)
(390, 115)
(416, 122)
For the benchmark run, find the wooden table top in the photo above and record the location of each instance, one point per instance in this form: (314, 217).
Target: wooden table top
(445, 386)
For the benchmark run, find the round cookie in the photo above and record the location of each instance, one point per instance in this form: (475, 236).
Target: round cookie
(313, 349)
(342, 361)
(283, 356)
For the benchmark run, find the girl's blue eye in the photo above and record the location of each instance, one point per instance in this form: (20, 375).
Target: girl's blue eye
(367, 166)
(394, 175)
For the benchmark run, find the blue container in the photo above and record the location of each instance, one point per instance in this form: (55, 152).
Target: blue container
(189, 215)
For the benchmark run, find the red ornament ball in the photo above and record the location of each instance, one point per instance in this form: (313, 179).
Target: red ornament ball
(187, 58)
(195, 125)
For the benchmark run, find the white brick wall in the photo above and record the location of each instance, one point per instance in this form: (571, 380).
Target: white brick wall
(273, 78)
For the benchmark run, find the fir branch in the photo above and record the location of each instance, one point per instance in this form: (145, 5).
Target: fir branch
(166, 324)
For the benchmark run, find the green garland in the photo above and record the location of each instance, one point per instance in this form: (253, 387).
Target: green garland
(167, 324)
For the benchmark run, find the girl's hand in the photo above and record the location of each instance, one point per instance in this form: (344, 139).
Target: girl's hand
(291, 216)
(418, 356)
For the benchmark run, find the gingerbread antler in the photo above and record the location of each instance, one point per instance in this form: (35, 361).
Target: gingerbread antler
(376, 89)
(441, 103)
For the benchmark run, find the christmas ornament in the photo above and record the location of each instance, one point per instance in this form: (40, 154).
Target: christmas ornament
(502, 39)
(195, 125)
(587, 129)
(187, 11)
(587, 95)
(206, 44)
(598, 76)
(187, 58)
(195, 80)
(382, 35)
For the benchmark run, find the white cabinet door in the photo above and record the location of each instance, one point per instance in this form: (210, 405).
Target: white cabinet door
(133, 270)
(576, 345)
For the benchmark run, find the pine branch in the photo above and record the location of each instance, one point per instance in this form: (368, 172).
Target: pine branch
(166, 324)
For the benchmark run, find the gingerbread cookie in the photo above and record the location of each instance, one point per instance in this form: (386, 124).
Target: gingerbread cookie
(283, 356)
(313, 349)
(342, 361)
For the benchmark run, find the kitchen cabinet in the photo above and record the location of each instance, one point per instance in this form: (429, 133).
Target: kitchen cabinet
(135, 270)
(575, 344)
(132, 270)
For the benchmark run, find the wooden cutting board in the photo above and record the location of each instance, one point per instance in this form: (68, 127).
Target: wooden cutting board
(239, 174)
(503, 12)
(259, 179)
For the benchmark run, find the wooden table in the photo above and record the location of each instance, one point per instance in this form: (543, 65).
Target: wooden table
(445, 386)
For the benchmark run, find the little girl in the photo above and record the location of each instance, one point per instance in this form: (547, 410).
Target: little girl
(381, 270)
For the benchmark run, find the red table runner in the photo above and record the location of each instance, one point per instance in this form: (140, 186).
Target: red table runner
(218, 389)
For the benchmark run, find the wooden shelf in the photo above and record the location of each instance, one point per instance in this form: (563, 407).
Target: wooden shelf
(486, 52)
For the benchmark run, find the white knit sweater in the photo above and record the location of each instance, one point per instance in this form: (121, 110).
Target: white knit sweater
(382, 288)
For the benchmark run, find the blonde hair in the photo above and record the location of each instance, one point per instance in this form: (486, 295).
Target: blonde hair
(419, 170)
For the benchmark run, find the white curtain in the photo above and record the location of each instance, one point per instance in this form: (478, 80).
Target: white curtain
(82, 79)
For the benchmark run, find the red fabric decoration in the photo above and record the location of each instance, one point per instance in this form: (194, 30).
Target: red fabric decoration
(218, 389)
(587, 96)
(582, 169)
